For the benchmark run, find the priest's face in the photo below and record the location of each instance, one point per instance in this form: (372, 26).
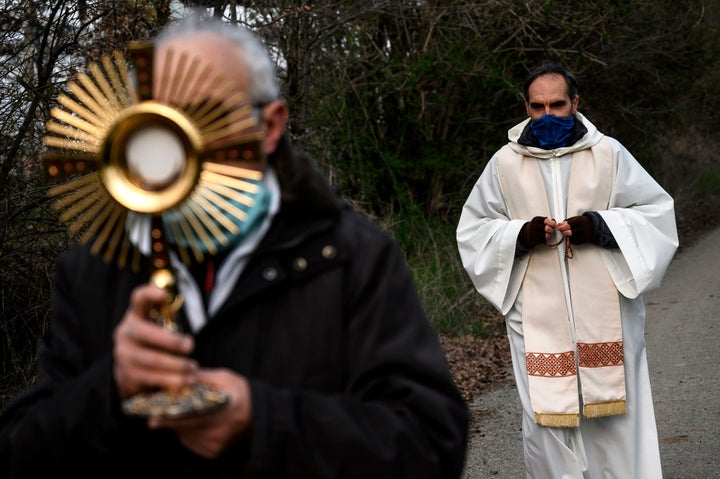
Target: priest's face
(548, 94)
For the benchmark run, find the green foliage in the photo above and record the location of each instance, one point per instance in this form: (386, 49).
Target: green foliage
(710, 181)
(445, 289)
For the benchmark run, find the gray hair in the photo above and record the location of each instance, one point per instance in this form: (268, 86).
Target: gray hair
(263, 87)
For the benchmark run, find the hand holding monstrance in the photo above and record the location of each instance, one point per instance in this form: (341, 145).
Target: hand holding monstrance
(165, 163)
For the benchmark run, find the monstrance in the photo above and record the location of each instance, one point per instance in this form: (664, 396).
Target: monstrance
(180, 140)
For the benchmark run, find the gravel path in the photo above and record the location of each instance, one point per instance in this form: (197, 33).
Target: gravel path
(683, 343)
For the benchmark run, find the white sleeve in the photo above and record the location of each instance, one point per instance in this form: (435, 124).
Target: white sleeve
(641, 217)
(486, 239)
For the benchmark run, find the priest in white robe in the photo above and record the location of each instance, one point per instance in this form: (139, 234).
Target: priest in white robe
(563, 233)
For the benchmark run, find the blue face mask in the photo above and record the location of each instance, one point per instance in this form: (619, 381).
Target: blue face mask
(237, 218)
(553, 131)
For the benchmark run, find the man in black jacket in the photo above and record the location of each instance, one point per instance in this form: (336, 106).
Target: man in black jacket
(310, 323)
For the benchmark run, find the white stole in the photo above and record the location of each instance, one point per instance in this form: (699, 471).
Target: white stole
(553, 350)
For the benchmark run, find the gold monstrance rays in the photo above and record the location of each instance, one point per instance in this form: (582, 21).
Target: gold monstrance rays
(82, 127)
(104, 110)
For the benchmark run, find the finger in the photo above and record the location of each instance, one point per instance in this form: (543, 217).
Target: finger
(142, 344)
(146, 297)
(563, 226)
(142, 368)
(135, 329)
(138, 368)
(134, 380)
(153, 360)
(155, 336)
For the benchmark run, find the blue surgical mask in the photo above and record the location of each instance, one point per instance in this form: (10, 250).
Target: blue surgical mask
(238, 219)
(553, 131)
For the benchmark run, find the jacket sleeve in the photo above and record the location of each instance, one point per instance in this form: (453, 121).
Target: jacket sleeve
(400, 416)
(71, 408)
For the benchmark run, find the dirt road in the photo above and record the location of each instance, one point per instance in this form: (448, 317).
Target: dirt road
(683, 344)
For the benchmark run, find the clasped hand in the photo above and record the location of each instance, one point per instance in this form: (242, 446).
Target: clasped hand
(579, 229)
(148, 356)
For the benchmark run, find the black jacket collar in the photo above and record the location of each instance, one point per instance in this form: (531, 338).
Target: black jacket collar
(308, 203)
(302, 186)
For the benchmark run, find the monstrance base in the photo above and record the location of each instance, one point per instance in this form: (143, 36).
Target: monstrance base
(195, 400)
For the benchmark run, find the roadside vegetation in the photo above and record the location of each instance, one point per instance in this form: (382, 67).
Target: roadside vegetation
(401, 103)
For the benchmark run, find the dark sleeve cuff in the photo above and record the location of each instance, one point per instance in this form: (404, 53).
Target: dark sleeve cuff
(521, 249)
(603, 236)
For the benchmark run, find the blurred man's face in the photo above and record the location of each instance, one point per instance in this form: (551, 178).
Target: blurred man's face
(224, 58)
(548, 95)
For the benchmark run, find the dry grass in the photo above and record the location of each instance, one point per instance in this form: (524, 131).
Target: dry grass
(479, 363)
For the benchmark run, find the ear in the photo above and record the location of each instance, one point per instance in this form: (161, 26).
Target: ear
(527, 108)
(275, 115)
(575, 103)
